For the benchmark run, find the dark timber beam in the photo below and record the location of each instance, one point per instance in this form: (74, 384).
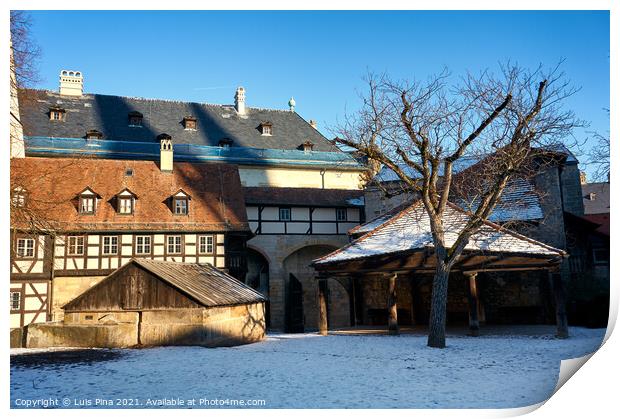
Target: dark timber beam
(472, 285)
(560, 305)
(323, 307)
(392, 307)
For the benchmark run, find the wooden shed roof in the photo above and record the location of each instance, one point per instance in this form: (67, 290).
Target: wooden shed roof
(205, 284)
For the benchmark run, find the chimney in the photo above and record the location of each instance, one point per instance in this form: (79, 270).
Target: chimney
(240, 100)
(313, 123)
(71, 83)
(583, 178)
(165, 153)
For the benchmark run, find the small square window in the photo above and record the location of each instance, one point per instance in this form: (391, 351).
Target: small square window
(341, 214)
(57, 114)
(76, 245)
(174, 245)
(143, 245)
(16, 300)
(110, 245)
(125, 205)
(267, 130)
(87, 205)
(135, 119)
(180, 206)
(190, 123)
(25, 248)
(205, 245)
(285, 214)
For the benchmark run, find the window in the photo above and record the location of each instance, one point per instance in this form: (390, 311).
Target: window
(307, 146)
(19, 197)
(135, 119)
(93, 134)
(76, 245)
(125, 205)
(341, 214)
(266, 128)
(57, 114)
(205, 244)
(180, 206)
(143, 245)
(16, 300)
(601, 256)
(87, 204)
(25, 248)
(174, 244)
(225, 143)
(189, 122)
(285, 214)
(110, 245)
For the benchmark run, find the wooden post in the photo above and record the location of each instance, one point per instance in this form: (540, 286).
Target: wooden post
(474, 324)
(323, 307)
(413, 288)
(560, 305)
(392, 308)
(352, 302)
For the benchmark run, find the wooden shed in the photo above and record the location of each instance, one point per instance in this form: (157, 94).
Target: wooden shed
(170, 303)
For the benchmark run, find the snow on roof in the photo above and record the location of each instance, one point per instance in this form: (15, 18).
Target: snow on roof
(410, 230)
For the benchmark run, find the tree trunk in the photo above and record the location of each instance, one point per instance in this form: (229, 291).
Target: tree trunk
(323, 307)
(437, 321)
(392, 307)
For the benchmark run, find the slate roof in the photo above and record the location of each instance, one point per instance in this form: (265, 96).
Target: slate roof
(600, 204)
(303, 196)
(109, 115)
(52, 186)
(203, 283)
(410, 230)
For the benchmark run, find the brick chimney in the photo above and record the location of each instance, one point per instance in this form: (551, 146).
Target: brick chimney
(71, 83)
(240, 100)
(166, 157)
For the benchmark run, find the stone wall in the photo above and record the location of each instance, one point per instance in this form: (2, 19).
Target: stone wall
(218, 326)
(65, 289)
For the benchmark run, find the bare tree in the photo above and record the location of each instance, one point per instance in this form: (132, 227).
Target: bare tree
(598, 156)
(422, 130)
(26, 52)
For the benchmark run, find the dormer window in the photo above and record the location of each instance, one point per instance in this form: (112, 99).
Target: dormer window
(225, 143)
(266, 128)
(135, 119)
(93, 134)
(18, 199)
(180, 203)
(88, 201)
(126, 201)
(307, 146)
(592, 196)
(190, 124)
(57, 114)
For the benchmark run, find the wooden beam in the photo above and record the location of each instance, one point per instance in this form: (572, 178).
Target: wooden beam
(392, 306)
(323, 307)
(560, 305)
(472, 285)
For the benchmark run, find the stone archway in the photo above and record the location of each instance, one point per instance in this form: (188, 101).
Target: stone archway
(257, 276)
(297, 269)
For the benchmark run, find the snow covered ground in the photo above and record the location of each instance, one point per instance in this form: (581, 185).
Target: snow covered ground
(309, 371)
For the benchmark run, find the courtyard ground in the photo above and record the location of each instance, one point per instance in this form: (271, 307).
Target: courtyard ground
(506, 367)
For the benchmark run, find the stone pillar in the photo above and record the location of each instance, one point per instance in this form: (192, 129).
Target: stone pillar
(323, 307)
(472, 285)
(560, 305)
(392, 307)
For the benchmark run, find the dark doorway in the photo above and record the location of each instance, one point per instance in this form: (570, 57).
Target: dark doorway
(294, 306)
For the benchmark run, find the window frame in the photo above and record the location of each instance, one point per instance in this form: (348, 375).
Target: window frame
(121, 199)
(143, 244)
(110, 245)
(57, 115)
(18, 198)
(73, 243)
(206, 244)
(266, 129)
(280, 209)
(177, 248)
(12, 300)
(25, 254)
(342, 211)
(178, 199)
(85, 198)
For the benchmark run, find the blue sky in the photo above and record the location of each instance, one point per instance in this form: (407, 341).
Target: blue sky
(317, 57)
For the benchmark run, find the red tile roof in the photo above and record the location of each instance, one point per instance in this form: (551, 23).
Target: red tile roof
(53, 184)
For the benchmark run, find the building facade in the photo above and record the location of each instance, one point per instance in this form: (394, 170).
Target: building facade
(303, 194)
